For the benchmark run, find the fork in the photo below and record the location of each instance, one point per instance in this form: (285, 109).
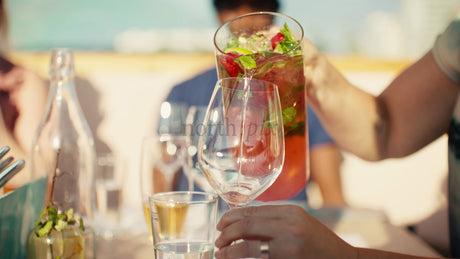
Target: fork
(8, 160)
(8, 170)
(11, 171)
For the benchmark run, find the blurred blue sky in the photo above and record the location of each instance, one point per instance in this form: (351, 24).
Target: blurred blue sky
(94, 24)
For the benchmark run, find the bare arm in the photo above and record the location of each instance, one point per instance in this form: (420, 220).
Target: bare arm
(325, 161)
(336, 103)
(290, 232)
(414, 110)
(364, 253)
(419, 105)
(7, 139)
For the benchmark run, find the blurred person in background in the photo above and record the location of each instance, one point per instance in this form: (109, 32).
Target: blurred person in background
(420, 105)
(23, 96)
(325, 157)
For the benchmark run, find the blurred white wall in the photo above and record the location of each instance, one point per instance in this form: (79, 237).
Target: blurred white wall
(423, 20)
(408, 32)
(381, 36)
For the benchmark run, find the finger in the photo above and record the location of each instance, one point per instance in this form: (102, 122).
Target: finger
(267, 211)
(5, 65)
(12, 80)
(310, 52)
(250, 228)
(242, 249)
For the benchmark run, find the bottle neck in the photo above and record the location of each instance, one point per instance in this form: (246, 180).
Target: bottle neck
(62, 87)
(63, 82)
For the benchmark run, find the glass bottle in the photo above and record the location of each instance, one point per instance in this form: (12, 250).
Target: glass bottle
(63, 149)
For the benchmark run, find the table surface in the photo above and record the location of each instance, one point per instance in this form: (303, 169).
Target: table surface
(364, 228)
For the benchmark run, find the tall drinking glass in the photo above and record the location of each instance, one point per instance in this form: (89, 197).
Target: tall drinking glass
(267, 46)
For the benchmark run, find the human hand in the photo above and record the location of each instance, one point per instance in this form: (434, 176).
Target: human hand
(23, 96)
(11, 80)
(321, 77)
(289, 230)
(314, 71)
(11, 76)
(310, 54)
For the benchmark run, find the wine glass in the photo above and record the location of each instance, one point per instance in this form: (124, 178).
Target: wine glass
(194, 125)
(162, 163)
(172, 117)
(241, 146)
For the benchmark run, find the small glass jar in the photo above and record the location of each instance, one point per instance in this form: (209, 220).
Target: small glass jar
(68, 243)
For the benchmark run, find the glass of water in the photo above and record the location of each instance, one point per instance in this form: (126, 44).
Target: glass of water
(183, 224)
(109, 179)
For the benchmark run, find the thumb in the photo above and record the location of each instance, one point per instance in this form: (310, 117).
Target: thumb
(310, 59)
(310, 53)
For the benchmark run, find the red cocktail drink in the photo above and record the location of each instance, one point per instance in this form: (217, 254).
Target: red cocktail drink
(266, 46)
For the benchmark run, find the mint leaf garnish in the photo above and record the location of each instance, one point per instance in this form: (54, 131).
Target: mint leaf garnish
(45, 230)
(288, 115)
(238, 50)
(233, 43)
(60, 225)
(42, 214)
(70, 216)
(247, 62)
(279, 48)
(82, 226)
(52, 214)
(288, 36)
(240, 94)
(51, 220)
(288, 43)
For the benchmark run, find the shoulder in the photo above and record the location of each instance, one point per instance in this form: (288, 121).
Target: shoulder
(446, 50)
(207, 76)
(196, 90)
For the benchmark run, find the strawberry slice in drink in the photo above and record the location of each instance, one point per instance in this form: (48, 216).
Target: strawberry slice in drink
(258, 158)
(258, 152)
(228, 62)
(277, 39)
(260, 97)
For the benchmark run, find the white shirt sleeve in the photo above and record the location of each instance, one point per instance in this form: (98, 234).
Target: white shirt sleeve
(446, 50)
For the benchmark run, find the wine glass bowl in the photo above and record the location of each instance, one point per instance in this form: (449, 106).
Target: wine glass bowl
(241, 146)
